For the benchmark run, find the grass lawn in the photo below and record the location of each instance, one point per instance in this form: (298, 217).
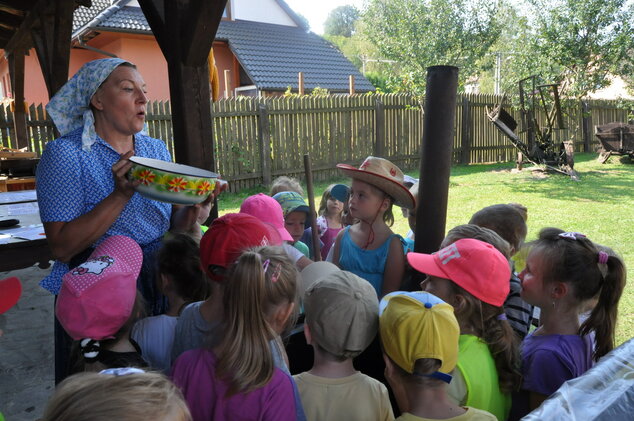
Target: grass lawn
(600, 205)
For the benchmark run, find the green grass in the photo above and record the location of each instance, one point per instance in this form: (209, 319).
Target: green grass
(600, 205)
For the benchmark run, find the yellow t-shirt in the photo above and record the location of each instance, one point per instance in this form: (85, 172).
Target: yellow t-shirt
(472, 414)
(353, 398)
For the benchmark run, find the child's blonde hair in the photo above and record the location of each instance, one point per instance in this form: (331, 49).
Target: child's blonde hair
(262, 279)
(104, 397)
(284, 183)
(506, 220)
(483, 317)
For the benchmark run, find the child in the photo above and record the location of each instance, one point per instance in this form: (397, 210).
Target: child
(224, 241)
(296, 218)
(419, 333)
(284, 183)
(105, 397)
(563, 271)
(369, 248)
(410, 214)
(181, 280)
(99, 303)
(269, 211)
(473, 276)
(330, 220)
(237, 378)
(508, 223)
(341, 321)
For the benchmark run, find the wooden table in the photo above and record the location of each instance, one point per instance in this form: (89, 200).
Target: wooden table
(19, 253)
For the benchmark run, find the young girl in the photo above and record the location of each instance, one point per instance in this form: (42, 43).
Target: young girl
(473, 277)
(105, 397)
(98, 305)
(237, 378)
(330, 220)
(564, 270)
(369, 248)
(181, 280)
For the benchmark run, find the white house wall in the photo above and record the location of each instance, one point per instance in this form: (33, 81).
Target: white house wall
(267, 11)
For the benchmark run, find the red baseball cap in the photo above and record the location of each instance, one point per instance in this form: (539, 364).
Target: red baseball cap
(474, 265)
(10, 291)
(229, 235)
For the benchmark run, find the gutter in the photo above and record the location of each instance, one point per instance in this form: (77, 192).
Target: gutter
(85, 46)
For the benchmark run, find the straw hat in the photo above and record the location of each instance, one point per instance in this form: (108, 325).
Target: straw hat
(385, 176)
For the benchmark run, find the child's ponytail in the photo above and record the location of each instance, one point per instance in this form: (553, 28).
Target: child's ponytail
(602, 320)
(260, 280)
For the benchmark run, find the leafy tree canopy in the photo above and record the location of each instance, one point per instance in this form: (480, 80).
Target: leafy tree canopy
(341, 20)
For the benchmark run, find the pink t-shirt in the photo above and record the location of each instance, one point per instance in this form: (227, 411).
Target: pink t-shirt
(194, 372)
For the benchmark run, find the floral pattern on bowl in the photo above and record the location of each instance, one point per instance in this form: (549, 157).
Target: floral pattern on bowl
(170, 182)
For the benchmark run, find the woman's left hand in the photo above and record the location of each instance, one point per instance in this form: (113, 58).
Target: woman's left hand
(187, 219)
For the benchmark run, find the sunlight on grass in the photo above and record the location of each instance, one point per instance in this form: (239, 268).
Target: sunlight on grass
(600, 205)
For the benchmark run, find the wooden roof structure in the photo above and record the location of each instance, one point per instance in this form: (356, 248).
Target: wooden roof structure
(184, 30)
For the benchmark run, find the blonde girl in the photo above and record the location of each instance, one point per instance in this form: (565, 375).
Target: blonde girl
(237, 378)
(473, 276)
(564, 272)
(105, 397)
(369, 248)
(330, 220)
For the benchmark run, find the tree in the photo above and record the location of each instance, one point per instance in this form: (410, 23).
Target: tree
(423, 33)
(341, 20)
(577, 43)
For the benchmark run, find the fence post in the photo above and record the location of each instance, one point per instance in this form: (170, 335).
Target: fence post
(264, 136)
(585, 125)
(465, 147)
(379, 127)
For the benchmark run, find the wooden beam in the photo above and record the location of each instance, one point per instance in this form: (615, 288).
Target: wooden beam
(52, 43)
(12, 10)
(154, 11)
(203, 18)
(16, 70)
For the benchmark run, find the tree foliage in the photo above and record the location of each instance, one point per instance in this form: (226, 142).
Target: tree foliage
(341, 21)
(578, 43)
(423, 33)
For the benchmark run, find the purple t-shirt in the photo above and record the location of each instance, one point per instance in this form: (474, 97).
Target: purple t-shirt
(547, 362)
(205, 394)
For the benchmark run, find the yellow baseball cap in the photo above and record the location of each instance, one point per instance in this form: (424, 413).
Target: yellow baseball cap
(416, 325)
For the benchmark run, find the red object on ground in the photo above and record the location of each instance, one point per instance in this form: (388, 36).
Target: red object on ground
(10, 291)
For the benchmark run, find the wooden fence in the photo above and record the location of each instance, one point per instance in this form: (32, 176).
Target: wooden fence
(258, 139)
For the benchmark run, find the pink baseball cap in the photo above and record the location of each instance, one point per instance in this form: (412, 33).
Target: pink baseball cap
(10, 291)
(474, 265)
(97, 296)
(231, 234)
(268, 210)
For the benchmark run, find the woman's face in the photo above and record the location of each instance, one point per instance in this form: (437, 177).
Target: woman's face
(120, 101)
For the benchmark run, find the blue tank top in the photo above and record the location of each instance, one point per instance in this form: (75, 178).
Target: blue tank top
(367, 264)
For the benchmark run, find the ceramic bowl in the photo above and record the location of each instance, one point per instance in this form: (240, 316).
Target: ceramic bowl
(172, 183)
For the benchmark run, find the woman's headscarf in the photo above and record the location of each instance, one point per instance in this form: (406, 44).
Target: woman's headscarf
(70, 106)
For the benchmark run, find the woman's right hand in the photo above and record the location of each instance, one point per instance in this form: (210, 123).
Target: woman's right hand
(122, 185)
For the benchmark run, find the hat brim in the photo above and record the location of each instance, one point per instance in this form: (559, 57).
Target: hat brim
(284, 234)
(427, 264)
(401, 195)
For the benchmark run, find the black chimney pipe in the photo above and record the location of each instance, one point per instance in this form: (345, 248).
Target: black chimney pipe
(435, 163)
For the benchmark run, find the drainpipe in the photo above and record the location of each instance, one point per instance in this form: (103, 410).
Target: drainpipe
(435, 163)
(85, 46)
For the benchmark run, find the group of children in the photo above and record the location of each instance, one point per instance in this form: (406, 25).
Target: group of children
(464, 345)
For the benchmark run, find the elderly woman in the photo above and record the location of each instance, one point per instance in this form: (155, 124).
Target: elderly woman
(83, 193)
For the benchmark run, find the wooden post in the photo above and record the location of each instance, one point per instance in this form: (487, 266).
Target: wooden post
(311, 204)
(379, 128)
(435, 163)
(264, 137)
(227, 74)
(300, 83)
(351, 84)
(586, 124)
(465, 152)
(16, 69)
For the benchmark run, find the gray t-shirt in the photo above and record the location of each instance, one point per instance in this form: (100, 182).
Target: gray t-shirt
(192, 331)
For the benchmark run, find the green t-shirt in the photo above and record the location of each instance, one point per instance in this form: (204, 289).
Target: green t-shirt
(302, 247)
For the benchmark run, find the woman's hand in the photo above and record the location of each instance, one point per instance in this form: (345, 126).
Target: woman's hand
(187, 219)
(122, 185)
